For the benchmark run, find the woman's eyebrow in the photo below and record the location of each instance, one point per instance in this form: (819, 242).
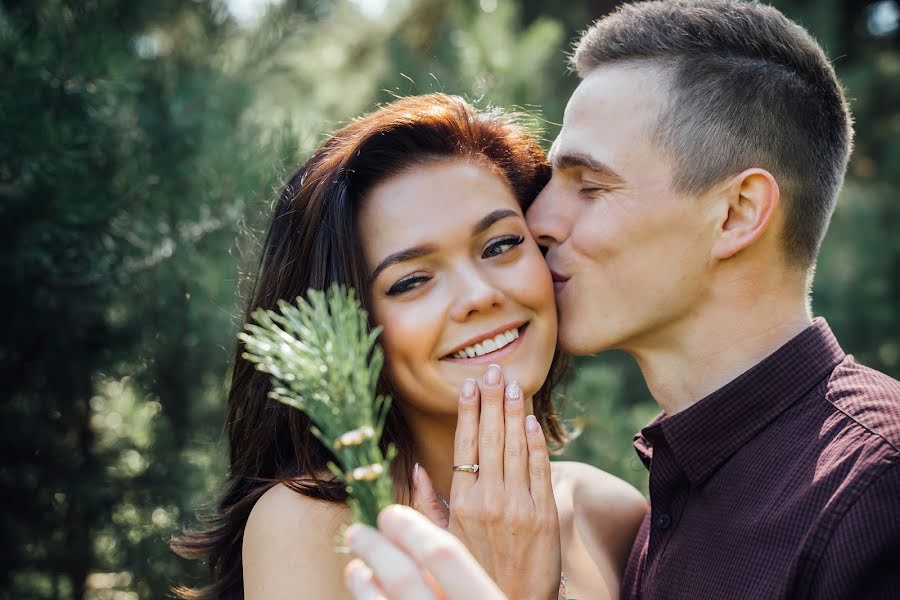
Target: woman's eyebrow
(491, 218)
(426, 249)
(403, 256)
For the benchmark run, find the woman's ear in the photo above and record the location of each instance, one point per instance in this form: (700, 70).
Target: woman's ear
(749, 201)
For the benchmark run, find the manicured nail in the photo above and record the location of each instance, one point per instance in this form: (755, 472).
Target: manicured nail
(492, 377)
(415, 471)
(513, 392)
(468, 389)
(531, 424)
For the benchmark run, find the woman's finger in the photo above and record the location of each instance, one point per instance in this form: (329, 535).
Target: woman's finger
(491, 428)
(539, 467)
(361, 582)
(515, 455)
(452, 568)
(396, 573)
(425, 498)
(465, 445)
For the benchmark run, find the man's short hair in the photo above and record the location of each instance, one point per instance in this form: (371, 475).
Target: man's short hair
(748, 88)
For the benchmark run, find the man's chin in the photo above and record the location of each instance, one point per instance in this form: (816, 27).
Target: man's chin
(573, 347)
(582, 341)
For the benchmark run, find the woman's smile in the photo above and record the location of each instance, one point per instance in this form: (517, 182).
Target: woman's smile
(491, 347)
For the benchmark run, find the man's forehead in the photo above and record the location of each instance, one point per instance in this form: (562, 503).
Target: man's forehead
(612, 109)
(569, 144)
(612, 91)
(578, 145)
(554, 148)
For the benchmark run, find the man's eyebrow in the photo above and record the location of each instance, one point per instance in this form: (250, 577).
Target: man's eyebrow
(403, 256)
(571, 160)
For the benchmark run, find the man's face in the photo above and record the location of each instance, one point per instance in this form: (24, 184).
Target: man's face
(634, 253)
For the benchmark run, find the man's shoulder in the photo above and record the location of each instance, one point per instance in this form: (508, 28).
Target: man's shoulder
(868, 399)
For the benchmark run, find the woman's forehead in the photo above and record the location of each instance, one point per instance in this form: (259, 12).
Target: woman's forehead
(430, 203)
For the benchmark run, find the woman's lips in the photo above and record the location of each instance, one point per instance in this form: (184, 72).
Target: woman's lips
(496, 355)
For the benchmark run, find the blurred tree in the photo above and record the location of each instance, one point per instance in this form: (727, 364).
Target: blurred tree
(124, 175)
(858, 280)
(141, 139)
(59, 166)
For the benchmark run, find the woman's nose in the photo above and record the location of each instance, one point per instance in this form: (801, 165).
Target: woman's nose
(475, 294)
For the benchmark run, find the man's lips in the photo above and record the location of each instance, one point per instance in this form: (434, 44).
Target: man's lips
(559, 281)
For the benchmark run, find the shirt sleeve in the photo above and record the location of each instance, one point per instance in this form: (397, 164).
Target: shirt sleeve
(862, 558)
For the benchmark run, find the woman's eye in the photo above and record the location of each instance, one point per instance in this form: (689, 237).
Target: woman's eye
(405, 285)
(501, 246)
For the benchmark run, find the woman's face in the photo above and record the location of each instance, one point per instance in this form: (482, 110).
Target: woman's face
(457, 283)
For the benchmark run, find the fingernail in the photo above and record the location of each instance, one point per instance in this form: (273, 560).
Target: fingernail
(415, 471)
(492, 377)
(352, 535)
(513, 392)
(356, 571)
(388, 517)
(468, 389)
(531, 424)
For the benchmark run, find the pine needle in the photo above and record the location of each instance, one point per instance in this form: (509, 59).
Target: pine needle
(324, 361)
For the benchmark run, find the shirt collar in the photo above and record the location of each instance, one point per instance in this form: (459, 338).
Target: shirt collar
(703, 436)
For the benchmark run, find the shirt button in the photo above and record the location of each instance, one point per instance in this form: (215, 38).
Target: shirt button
(664, 521)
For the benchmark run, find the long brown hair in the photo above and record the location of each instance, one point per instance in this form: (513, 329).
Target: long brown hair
(313, 242)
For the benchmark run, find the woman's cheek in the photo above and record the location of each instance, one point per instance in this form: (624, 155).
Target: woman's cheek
(396, 337)
(407, 339)
(534, 282)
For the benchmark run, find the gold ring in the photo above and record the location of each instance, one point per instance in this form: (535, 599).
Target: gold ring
(466, 468)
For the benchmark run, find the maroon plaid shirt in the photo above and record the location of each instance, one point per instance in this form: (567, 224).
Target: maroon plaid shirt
(785, 483)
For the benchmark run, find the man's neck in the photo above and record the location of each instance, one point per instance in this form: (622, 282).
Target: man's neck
(700, 355)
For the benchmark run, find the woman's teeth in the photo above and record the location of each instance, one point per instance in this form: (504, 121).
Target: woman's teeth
(489, 345)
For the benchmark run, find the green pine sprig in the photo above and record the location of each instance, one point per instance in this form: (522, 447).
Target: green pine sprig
(324, 361)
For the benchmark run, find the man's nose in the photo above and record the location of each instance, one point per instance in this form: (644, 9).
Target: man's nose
(547, 218)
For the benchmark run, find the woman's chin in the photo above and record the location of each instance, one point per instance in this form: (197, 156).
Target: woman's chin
(530, 377)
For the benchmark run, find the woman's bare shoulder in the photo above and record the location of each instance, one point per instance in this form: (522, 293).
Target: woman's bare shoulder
(289, 547)
(285, 509)
(603, 506)
(600, 492)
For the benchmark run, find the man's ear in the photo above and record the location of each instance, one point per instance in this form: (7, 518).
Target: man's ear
(749, 201)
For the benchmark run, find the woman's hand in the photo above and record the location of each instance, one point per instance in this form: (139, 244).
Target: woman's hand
(410, 558)
(505, 514)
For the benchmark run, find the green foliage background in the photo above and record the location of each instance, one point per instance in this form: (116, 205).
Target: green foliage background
(141, 144)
